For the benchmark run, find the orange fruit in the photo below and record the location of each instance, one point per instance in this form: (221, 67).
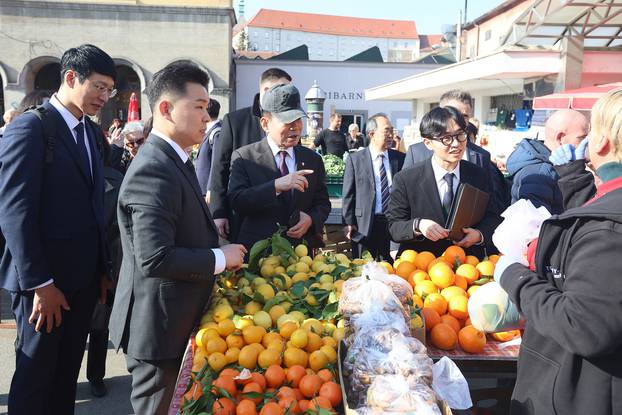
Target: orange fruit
(288, 328)
(472, 340)
(248, 357)
(417, 301)
(259, 379)
(452, 322)
(246, 407)
(437, 302)
(458, 307)
(253, 334)
(439, 260)
(310, 385)
(217, 361)
(304, 405)
(314, 342)
(504, 336)
(416, 277)
(299, 395)
(225, 383)
(442, 275)
(223, 406)
(294, 356)
(424, 288)
(467, 322)
(269, 357)
(388, 267)
(486, 268)
(455, 254)
(329, 341)
(252, 388)
(493, 258)
(444, 337)
(431, 317)
(294, 374)
(468, 272)
(215, 344)
(272, 408)
(318, 360)
(409, 255)
(326, 375)
(269, 338)
(320, 402)
(332, 392)
(225, 327)
(289, 403)
(285, 391)
(472, 289)
(275, 376)
(195, 391)
(235, 339)
(461, 282)
(450, 292)
(405, 268)
(423, 259)
(230, 372)
(471, 259)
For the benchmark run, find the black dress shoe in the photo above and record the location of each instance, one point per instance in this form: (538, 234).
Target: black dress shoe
(98, 388)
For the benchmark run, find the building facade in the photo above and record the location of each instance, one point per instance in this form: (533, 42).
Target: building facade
(332, 38)
(141, 37)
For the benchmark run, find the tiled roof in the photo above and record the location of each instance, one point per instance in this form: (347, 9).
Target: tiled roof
(335, 25)
(427, 41)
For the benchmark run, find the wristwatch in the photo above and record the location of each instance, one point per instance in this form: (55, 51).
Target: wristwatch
(416, 225)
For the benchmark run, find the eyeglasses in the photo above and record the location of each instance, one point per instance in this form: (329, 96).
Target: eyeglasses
(103, 89)
(135, 144)
(447, 139)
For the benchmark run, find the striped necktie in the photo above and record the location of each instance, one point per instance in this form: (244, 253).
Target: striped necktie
(385, 192)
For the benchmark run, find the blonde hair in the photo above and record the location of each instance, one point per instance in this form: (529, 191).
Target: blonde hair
(606, 119)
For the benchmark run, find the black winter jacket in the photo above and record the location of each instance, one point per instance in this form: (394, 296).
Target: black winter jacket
(571, 357)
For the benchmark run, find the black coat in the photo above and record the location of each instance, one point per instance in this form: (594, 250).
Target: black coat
(359, 189)
(239, 128)
(203, 162)
(167, 272)
(415, 195)
(500, 192)
(570, 359)
(252, 194)
(576, 184)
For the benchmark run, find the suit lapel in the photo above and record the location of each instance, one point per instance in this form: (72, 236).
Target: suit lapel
(429, 188)
(472, 155)
(189, 175)
(367, 170)
(65, 136)
(96, 155)
(393, 161)
(266, 159)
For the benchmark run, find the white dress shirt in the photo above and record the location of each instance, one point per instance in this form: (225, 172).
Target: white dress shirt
(220, 261)
(439, 177)
(376, 160)
(71, 122)
(290, 158)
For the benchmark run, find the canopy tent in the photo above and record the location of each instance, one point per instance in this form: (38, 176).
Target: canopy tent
(578, 99)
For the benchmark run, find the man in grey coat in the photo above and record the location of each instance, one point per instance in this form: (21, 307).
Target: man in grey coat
(169, 240)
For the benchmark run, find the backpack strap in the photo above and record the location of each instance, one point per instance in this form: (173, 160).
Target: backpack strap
(49, 130)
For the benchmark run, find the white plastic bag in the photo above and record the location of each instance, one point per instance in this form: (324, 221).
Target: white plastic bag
(450, 385)
(521, 224)
(491, 310)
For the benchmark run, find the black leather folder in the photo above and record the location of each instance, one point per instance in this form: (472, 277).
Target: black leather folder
(467, 209)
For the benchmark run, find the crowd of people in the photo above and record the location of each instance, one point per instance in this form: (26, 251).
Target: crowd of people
(122, 236)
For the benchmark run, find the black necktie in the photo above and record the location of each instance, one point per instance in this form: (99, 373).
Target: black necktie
(385, 191)
(449, 195)
(84, 155)
(283, 165)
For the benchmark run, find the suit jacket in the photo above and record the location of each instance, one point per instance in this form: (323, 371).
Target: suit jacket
(359, 189)
(51, 214)
(239, 128)
(475, 154)
(167, 271)
(415, 195)
(252, 195)
(204, 158)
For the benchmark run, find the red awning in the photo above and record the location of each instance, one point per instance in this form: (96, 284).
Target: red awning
(578, 99)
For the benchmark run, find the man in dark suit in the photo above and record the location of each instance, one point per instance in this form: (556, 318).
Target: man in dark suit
(203, 162)
(422, 195)
(275, 181)
(52, 217)
(461, 100)
(239, 128)
(170, 243)
(367, 188)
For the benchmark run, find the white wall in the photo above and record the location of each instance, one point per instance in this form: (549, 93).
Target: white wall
(344, 82)
(324, 47)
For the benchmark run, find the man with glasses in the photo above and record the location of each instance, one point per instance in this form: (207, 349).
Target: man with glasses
(533, 175)
(367, 189)
(422, 195)
(52, 217)
(462, 101)
(126, 145)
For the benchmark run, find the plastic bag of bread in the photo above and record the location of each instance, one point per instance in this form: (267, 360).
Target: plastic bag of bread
(491, 310)
(376, 319)
(395, 393)
(402, 289)
(361, 295)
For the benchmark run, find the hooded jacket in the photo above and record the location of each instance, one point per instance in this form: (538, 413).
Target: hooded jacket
(570, 360)
(533, 176)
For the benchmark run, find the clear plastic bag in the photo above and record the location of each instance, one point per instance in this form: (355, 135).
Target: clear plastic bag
(376, 317)
(400, 287)
(395, 393)
(491, 310)
(360, 295)
(450, 384)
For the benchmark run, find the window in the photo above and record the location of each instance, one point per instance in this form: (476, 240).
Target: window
(487, 34)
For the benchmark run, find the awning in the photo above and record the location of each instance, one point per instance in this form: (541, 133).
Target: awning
(578, 99)
(499, 73)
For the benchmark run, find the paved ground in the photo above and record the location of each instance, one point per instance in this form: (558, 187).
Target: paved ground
(116, 402)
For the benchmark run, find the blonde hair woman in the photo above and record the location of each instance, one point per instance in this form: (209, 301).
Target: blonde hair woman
(569, 361)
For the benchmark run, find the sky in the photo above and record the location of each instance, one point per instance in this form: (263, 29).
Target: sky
(429, 15)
